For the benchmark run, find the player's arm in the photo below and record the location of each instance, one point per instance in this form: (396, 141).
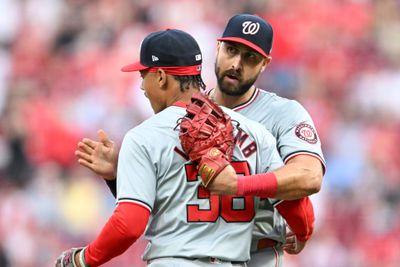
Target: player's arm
(300, 147)
(125, 226)
(300, 177)
(303, 172)
(299, 216)
(130, 218)
(298, 213)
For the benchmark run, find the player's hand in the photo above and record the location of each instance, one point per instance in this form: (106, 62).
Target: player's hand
(71, 258)
(99, 156)
(293, 245)
(225, 183)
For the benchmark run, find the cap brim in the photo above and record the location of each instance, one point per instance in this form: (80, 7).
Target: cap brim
(134, 67)
(245, 42)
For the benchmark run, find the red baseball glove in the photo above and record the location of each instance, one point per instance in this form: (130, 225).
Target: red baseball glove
(206, 135)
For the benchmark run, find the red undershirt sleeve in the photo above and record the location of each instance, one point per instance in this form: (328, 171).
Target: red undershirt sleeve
(125, 226)
(299, 215)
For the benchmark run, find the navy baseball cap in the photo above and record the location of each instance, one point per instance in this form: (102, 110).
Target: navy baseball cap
(175, 51)
(250, 30)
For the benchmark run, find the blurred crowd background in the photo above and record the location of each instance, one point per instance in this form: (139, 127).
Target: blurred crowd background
(60, 80)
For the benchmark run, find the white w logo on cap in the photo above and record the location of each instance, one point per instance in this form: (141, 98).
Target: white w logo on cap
(250, 27)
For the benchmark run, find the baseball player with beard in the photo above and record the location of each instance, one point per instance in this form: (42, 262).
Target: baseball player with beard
(243, 52)
(246, 42)
(158, 186)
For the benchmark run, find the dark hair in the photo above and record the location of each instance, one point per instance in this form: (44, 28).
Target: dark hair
(190, 80)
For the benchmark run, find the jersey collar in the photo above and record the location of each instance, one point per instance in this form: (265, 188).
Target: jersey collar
(243, 105)
(248, 102)
(180, 104)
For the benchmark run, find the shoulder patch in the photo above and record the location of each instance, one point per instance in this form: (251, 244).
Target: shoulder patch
(306, 133)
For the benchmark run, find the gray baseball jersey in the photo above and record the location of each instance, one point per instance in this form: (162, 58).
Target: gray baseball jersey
(185, 220)
(295, 133)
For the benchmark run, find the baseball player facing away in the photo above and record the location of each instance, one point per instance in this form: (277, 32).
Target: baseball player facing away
(243, 52)
(158, 186)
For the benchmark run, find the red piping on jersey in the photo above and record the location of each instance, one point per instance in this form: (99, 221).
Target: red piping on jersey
(180, 104)
(237, 108)
(276, 256)
(134, 202)
(307, 154)
(208, 91)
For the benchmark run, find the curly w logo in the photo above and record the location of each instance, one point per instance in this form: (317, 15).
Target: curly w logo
(250, 27)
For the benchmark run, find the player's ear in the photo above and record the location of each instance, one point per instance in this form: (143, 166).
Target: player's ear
(218, 47)
(266, 62)
(161, 78)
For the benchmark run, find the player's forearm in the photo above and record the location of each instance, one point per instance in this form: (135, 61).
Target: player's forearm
(124, 227)
(296, 181)
(293, 181)
(299, 215)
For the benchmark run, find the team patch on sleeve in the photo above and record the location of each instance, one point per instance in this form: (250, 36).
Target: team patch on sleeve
(306, 133)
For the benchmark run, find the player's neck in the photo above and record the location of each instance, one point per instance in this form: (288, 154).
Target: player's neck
(183, 96)
(231, 101)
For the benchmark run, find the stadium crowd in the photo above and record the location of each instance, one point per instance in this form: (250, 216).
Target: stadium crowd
(60, 81)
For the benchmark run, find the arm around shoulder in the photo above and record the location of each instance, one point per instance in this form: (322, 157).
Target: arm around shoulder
(300, 177)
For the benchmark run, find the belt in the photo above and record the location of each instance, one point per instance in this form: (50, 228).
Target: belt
(213, 260)
(265, 243)
(217, 260)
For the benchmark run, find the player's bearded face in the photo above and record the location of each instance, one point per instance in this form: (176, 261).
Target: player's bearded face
(233, 89)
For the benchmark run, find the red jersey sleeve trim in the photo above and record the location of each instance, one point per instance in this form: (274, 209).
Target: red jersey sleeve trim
(248, 102)
(304, 153)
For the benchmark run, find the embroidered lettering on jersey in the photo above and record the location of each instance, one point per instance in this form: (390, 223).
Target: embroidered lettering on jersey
(250, 27)
(306, 133)
(241, 138)
(181, 153)
(250, 149)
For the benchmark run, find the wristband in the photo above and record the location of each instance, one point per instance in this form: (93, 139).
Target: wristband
(261, 185)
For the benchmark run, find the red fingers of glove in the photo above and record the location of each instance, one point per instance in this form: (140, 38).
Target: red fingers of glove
(204, 126)
(211, 164)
